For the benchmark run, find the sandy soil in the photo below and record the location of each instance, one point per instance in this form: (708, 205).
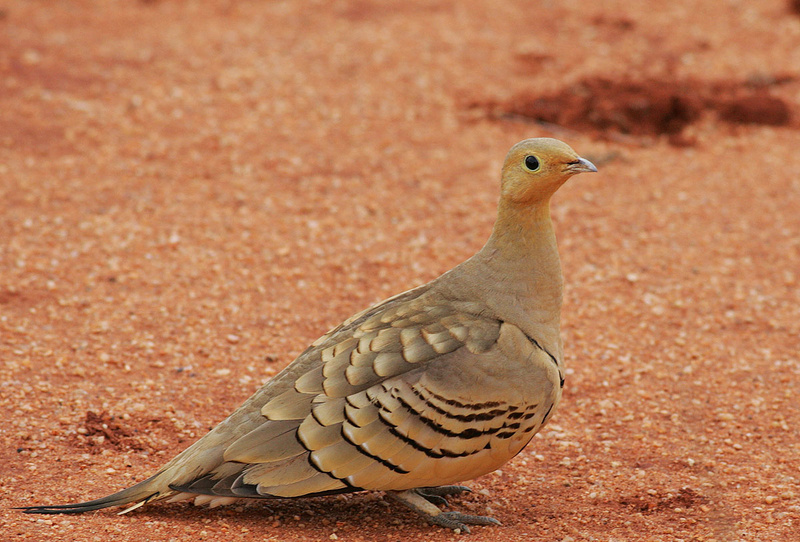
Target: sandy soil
(191, 192)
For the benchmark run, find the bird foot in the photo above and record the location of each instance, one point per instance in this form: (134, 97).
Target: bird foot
(458, 521)
(424, 500)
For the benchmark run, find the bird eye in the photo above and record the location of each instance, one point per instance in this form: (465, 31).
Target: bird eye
(531, 163)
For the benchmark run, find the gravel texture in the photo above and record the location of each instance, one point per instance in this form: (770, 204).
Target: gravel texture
(191, 192)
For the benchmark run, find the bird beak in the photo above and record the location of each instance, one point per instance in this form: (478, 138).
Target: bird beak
(581, 165)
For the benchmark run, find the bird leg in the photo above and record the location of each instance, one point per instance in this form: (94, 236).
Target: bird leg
(412, 498)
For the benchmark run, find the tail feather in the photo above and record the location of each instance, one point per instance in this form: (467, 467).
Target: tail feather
(204, 456)
(141, 493)
(193, 462)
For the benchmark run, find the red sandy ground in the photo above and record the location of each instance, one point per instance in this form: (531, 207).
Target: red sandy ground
(191, 192)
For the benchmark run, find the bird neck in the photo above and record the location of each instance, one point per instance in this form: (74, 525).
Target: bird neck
(521, 259)
(522, 233)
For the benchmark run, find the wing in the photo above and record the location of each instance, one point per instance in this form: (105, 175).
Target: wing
(422, 391)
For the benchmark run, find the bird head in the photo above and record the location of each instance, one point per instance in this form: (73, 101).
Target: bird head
(535, 168)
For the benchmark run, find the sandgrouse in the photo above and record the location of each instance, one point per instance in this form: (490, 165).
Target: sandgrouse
(434, 386)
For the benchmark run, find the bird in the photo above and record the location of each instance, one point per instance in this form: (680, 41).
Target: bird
(438, 385)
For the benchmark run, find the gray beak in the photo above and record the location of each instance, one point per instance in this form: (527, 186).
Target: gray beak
(581, 165)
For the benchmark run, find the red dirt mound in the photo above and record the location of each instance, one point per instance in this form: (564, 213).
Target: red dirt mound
(649, 107)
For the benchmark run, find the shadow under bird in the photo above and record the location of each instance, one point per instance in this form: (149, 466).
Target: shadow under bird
(440, 384)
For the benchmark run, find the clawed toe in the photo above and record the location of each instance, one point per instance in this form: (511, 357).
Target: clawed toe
(437, 494)
(459, 521)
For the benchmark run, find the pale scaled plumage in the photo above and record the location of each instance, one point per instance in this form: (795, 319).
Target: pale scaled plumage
(437, 385)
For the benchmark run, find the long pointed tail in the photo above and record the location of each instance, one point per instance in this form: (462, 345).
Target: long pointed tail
(199, 459)
(141, 494)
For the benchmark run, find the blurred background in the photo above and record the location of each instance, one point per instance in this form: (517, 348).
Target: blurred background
(192, 192)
